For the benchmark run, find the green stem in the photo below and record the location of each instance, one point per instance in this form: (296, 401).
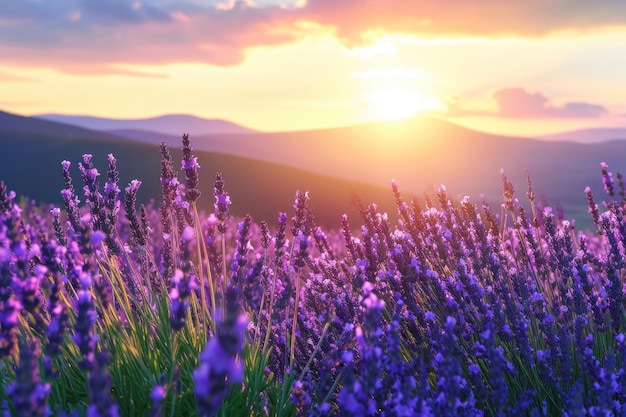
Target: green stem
(225, 278)
(295, 321)
(172, 374)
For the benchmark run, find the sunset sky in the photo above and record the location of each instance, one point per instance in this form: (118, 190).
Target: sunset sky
(519, 67)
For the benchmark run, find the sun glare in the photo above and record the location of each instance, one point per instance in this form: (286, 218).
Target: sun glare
(398, 104)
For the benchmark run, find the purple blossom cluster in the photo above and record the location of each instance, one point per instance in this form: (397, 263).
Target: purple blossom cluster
(453, 309)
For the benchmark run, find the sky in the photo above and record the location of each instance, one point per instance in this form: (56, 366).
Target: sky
(517, 67)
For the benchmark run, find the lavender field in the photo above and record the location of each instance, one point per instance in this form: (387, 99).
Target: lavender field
(458, 308)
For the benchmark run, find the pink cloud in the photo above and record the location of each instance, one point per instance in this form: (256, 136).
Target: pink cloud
(12, 77)
(90, 35)
(517, 102)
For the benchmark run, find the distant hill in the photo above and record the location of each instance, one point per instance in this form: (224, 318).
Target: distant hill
(423, 153)
(31, 167)
(172, 124)
(14, 124)
(420, 154)
(155, 138)
(589, 136)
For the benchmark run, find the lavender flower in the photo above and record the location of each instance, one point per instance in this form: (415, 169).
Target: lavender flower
(265, 235)
(220, 365)
(222, 201)
(301, 219)
(302, 241)
(362, 395)
(593, 207)
(102, 404)
(607, 180)
(509, 193)
(10, 306)
(300, 396)
(84, 335)
(111, 206)
(182, 287)
(111, 191)
(453, 395)
(157, 395)
(169, 182)
(70, 200)
(280, 239)
(130, 199)
(6, 198)
(28, 393)
(190, 166)
(92, 192)
(243, 247)
(60, 235)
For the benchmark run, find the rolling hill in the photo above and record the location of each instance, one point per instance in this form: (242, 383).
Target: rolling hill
(423, 153)
(166, 124)
(593, 135)
(420, 154)
(31, 167)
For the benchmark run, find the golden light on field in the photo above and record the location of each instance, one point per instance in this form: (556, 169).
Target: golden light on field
(396, 104)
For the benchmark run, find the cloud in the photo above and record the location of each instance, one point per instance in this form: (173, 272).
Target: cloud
(75, 34)
(8, 76)
(518, 103)
(91, 36)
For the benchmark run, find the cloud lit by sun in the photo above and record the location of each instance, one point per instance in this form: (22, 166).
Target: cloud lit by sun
(282, 65)
(396, 104)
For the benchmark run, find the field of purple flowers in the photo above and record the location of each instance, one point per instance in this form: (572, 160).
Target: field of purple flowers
(459, 309)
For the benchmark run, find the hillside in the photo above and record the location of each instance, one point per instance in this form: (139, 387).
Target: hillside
(420, 154)
(31, 167)
(166, 124)
(11, 124)
(593, 135)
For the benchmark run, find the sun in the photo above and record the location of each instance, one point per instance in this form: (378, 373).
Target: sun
(397, 104)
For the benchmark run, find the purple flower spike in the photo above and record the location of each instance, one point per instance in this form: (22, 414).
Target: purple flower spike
(190, 166)
(70, 200)
(220, 362)
(222, 201)
(111, 190)
(28, 393)
(5, 199)
(157, 395)
(302, 217)
(509, 192)
(84, 335)
(607, 180)
(243, 247)
(265, 235)
(102, 404)
(280, 240)
(87, 168)
(182, 287)
(130, 201)
(302, 242)
(9, 320)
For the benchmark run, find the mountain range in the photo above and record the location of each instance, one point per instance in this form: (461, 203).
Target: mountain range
(170, 124)
(590, 136)
(265, 169)
(31, 157)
